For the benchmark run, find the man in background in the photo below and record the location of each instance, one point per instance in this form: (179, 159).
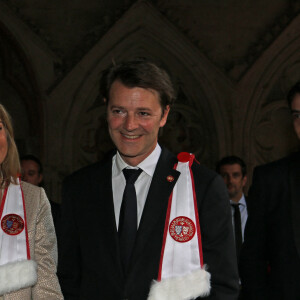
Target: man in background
(32, 172)
(270, 257)
(32, 169)
(234, 173)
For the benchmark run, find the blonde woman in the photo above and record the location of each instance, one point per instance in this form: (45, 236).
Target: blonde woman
(28, 252)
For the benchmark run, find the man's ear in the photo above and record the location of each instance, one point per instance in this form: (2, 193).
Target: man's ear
(104, 100)
(244, 180)
(164, 118)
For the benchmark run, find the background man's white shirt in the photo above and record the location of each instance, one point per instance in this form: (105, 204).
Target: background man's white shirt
(244, 213)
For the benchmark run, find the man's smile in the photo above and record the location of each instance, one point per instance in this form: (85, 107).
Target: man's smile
(131, 137)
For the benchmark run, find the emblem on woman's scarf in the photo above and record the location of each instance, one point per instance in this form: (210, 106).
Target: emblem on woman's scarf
(12, 224)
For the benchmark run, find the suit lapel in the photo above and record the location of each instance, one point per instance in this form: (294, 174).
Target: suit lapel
(103, 206)
(294, 181)
(157, 201)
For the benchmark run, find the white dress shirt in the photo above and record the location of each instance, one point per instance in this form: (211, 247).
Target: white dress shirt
(142, 184)
(244, 214)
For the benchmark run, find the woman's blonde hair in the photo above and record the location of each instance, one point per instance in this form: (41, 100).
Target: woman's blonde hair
(10, 167)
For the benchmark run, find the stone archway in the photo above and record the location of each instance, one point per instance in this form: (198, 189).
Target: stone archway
(201, 102)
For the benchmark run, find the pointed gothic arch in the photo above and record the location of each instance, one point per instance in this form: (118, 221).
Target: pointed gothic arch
(143, 30)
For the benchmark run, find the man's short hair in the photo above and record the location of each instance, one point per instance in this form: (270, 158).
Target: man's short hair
(295, 89)
(231, 160)
(139, 73)
(35, 159)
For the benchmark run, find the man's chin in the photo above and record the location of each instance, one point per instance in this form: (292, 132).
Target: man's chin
(232, 195)
(129, 154)
(128, 151)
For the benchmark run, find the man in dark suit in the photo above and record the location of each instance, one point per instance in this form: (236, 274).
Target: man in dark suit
(113, 245)
(270, 258)
(234, 173)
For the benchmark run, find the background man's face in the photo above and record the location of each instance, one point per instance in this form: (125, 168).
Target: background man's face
(234, 180)
(30, 172)
(295, 107)
(134, 117)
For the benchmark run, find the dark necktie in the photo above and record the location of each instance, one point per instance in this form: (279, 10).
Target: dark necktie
(128, 217)
(237, 229)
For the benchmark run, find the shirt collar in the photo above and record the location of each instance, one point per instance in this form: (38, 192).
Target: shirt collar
(147, 165)
(242, 201)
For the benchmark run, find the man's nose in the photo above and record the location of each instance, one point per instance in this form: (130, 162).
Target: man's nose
(130, 123)
(228, 179)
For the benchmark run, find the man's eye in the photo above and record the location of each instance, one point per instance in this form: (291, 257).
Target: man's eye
(144, 113)
(117, 111)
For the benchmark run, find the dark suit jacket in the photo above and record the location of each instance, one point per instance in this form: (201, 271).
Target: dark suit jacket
(89, 255)
(270, 261)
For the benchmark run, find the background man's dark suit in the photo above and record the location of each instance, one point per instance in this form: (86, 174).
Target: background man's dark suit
(272, 235)
(90, 231)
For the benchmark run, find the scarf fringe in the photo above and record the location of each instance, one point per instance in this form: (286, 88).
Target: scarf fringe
(17, 275)
(191, 286)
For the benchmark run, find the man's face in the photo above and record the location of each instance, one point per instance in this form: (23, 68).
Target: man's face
(234, 180)
(134, 117)
(295, 107)
(30, 172)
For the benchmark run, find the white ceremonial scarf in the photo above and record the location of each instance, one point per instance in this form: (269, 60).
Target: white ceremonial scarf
(13, 247)
(182, 275)
(16, 269)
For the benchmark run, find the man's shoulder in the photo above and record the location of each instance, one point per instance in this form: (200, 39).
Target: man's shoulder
(204, 176)
(203, 171)
(88, 172)
(197, 168)
(278, 165)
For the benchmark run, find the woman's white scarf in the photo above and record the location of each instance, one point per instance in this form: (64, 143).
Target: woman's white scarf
(16, 269)
(182, 275)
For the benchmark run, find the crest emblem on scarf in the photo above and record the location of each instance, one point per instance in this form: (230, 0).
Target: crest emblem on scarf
(12, 224)
(182, 229)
